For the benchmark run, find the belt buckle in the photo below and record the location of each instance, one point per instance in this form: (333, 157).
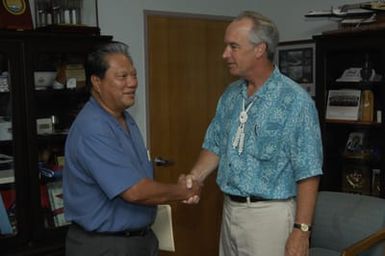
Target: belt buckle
(140, 232)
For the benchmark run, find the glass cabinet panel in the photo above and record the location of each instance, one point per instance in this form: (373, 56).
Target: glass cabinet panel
(59, 94)
(8, 221)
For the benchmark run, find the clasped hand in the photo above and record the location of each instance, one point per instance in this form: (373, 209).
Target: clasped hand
(194, 186)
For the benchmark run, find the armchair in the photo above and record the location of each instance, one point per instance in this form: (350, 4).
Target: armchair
(348, 224)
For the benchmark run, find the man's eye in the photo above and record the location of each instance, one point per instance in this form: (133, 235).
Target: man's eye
(122, 77)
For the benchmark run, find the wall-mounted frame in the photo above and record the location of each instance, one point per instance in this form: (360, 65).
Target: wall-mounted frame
(296, 59)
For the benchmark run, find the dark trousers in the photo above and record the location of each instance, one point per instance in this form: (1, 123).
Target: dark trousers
(81, 243)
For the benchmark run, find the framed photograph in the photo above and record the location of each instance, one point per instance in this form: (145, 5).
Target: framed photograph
(296, 59)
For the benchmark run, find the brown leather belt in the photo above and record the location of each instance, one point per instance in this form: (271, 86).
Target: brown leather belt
(243, 199)
(126, 233)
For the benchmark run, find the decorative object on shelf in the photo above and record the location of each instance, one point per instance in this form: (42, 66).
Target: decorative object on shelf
(357, 146)
(70, 16)
(44, 126)
(76, 76)
(367, 106)
(296, 59)
(367, 69)
(44, 79)
(376, 182)
(343, 105)
(354, 17)
(356, 177)
(379, 116)
(355, 75)
(15, 15)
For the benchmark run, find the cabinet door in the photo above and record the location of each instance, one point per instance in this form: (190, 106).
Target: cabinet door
(12, 157)
(57, 92)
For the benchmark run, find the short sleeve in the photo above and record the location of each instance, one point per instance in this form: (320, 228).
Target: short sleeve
(306, 144)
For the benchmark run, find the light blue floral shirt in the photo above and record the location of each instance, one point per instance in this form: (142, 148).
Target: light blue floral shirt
(282, 142)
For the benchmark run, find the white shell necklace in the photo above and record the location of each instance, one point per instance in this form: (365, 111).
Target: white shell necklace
(239, 138)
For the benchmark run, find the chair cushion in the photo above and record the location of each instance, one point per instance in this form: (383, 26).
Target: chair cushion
(342, 219)
(323, 252)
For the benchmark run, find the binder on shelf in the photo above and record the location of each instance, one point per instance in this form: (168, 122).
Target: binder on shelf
(343, 104)
(5, 224)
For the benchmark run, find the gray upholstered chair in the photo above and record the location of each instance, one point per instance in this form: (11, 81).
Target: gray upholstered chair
(348, 224)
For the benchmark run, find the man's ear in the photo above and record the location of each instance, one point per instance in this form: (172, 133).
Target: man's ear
(95, 81)
(260, 49)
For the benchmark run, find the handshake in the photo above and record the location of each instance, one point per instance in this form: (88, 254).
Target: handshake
(191, 188)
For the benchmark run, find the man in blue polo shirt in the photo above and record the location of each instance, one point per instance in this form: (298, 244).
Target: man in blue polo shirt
(265, 140)
(109, 192)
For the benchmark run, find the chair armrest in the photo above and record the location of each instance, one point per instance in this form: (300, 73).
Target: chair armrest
(364, 244)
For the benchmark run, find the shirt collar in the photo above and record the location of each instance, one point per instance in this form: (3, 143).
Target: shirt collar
(268, 86)
(127, 116)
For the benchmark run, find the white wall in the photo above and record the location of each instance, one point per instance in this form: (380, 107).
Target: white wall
(290, 20)
(124, 19)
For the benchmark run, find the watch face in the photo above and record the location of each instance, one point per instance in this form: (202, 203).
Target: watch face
(304, 227)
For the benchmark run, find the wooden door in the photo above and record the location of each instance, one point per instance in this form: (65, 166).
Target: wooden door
(186, 77)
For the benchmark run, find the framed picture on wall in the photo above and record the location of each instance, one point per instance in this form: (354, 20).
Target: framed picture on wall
(296, 59)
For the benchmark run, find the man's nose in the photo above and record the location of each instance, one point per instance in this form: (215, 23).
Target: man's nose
(225, 53)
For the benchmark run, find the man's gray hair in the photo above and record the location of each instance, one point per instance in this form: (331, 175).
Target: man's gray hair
(263, 30)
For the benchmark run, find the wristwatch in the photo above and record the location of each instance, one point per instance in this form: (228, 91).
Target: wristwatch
(303, 227)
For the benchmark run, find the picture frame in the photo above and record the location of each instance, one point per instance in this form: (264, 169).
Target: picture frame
(296, 59)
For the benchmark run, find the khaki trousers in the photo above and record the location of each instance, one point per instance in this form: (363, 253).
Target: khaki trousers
(256, 229)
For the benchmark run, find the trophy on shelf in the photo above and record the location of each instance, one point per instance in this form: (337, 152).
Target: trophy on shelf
(15, 15)
(73, 16)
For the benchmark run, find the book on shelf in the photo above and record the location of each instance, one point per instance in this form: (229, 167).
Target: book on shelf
(55, 195)
(343, 104)
(9, 200)
(5, 223)
(6, 169)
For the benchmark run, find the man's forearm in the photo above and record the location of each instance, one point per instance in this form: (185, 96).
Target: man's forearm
(307, 191)
(207, 162)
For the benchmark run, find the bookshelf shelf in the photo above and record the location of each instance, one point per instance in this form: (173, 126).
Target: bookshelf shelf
(336, 53)
(354, 123)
